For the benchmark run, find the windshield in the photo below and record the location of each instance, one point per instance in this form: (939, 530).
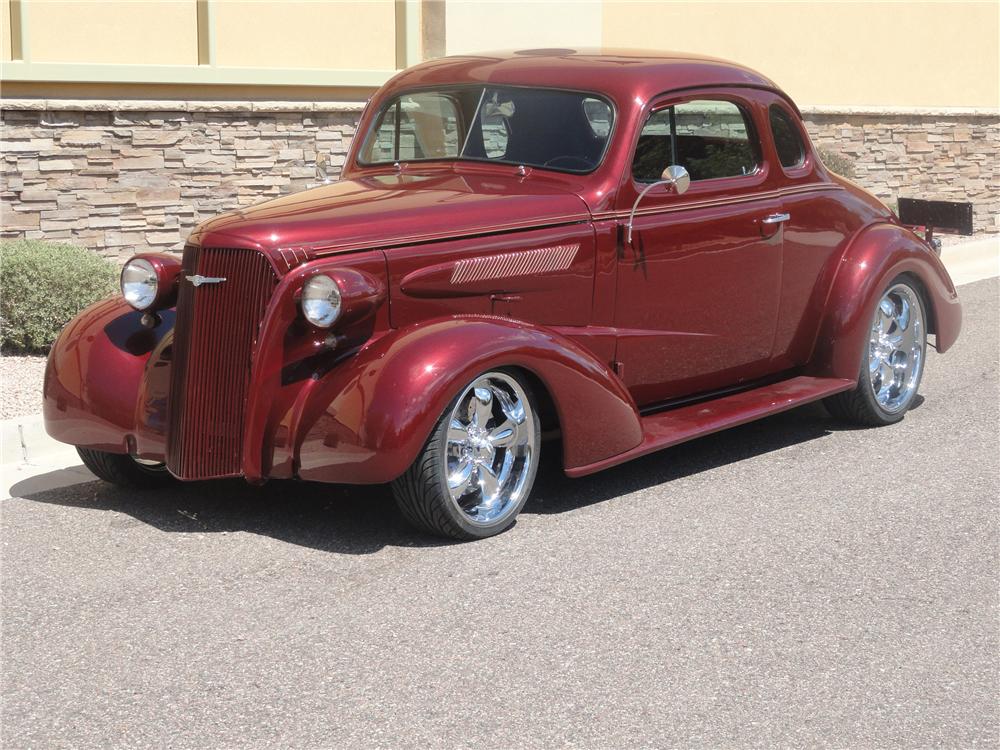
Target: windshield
(565, 131)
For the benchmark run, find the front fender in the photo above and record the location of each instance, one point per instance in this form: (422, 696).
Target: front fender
(368, 419)
(99, 391)
(874, 258)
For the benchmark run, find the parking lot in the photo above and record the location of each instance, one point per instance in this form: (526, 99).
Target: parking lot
(790, 582)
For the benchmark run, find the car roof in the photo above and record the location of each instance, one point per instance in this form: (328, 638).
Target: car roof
(622, 74)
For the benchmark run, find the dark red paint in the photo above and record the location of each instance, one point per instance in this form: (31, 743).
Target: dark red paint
(706, 297)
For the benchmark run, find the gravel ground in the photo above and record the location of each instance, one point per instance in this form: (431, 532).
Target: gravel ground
(21, 385)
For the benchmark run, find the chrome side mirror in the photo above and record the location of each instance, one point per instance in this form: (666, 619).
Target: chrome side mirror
(674, 175)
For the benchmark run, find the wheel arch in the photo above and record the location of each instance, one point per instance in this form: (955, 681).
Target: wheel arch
(368, 419)
(878, 255)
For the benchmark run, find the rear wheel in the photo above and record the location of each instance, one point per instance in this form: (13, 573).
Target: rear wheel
(125, 471)
(477, 469)
(894, 362)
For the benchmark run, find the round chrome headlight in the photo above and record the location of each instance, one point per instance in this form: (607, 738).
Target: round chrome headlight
(139, 283)
(321, 301)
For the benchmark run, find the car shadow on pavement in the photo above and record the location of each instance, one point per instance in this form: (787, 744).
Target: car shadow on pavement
(331, 518)
(362, 519)
(554, 493)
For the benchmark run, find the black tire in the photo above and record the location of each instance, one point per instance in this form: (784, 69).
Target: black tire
(422, 495)
(859, 406)
(123, 471)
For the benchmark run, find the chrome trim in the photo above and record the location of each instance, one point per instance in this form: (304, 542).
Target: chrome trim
(198, 279)
(515, 263)
(489, 449)
(776, 219)
(674, 176)
(896, 348)
(691, 205)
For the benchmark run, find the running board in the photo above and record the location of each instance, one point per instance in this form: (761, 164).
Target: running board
(667, 428)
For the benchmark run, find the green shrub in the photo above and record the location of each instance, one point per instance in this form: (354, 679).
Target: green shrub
(842, 165)
(42, 286)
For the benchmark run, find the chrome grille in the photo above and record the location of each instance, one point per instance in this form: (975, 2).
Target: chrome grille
(214, 339)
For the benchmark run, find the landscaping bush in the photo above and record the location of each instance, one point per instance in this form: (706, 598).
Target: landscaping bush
(42, 286)
(842, 165)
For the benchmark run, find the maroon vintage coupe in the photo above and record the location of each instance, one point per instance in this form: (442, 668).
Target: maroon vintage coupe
(624, 251)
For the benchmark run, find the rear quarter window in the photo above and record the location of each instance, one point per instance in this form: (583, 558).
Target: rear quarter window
(787, 141)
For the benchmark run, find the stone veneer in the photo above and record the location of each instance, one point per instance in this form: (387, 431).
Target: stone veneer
(122, 177)
(941, 155)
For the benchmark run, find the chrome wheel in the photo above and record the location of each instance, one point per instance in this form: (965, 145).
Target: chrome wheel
(896, 348)
(490, 449)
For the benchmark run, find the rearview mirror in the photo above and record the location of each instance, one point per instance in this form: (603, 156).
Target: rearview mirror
(673, 176)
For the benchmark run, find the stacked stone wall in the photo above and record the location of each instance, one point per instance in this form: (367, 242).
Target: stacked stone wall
(121, 180)
(122, 177)
(952, 157)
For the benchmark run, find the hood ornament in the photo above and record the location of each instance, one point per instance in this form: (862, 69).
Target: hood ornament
(198, 280)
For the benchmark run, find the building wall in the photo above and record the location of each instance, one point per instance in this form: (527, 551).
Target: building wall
(113, 31)
(122, 177)
(128, 121)
(846, 54)
(5, 31)
(941, 156)
(341, 35)
(521, 24)
(127, 177)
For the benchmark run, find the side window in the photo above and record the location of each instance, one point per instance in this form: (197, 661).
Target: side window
(709, 138)
(788, 142)
(417, 126)
(655, 151)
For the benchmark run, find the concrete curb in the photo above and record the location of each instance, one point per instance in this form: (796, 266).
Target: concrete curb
(31, 461)
(972, 261)
(24, 440)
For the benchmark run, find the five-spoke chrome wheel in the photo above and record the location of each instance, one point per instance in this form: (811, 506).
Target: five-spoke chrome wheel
(892, 363)
(896, 348)
(478, 466)
(490, 448)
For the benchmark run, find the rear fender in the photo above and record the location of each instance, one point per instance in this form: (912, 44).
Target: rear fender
(874, 258)
(369, 418)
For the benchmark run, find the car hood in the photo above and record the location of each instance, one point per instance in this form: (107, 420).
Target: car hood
(378, 211)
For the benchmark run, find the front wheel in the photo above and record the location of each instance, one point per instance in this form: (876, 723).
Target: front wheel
(894, 361)
(125, 471)
(476, 470)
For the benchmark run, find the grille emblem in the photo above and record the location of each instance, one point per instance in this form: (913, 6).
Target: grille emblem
(198, 280)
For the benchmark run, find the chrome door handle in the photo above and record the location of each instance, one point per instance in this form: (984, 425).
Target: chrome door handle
(776, 219)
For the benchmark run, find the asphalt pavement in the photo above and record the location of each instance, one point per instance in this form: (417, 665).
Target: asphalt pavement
(787, 583)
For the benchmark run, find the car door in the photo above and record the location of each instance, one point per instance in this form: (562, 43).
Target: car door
(813, 237)
(698, 287)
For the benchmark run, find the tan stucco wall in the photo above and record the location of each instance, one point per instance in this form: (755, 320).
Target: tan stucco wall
(4, 30)
(933, 54)
(164, 32)
(289, 34)
(840, 54)
(476, 25)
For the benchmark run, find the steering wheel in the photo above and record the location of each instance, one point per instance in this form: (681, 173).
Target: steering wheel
(587, 163)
